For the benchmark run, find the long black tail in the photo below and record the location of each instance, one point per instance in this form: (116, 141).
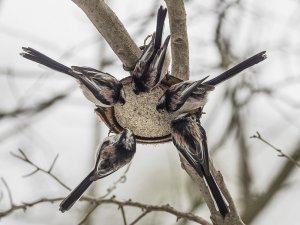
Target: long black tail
(161, 16)
(69, 201)
(215, 191)
(238, 68)
(213, 187)
(36, 56)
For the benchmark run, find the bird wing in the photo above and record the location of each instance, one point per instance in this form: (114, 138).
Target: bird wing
(186, 93)
(143, 64)
(189, 158)
(97, 76)
(106, 161)
(158, 63)
(204, 150)
(87, 71)
(161, 16)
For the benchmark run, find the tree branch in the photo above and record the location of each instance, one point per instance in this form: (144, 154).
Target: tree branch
(86, 217)
(97, 202)
(123, 215)
(233, 217)
(179, 39)
(111, 28)
(280, 152)
(24, 158)
(257, 206)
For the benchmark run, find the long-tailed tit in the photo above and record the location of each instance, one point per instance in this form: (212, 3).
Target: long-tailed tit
(190, 95)
(153, 64)
(115, 152)
(98, 87)
(189, 137)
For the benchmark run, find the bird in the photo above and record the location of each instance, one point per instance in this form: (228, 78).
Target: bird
(187, 96)
(102, 89)
(189, 137)
(153, 64)
(115, 152)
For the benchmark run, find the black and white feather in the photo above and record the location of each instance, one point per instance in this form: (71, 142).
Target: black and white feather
(101, 88)
(115, 152)
(189, 137)
(187, 96)
(153, 64)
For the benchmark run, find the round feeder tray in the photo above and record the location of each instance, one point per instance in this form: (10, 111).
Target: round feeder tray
(139, 113)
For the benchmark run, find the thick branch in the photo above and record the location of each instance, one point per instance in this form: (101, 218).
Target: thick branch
(179, 39)
(111, 28)
(233, 217)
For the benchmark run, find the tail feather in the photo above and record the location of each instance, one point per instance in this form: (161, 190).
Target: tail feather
(215, 191)
(36, 56)
(238, 68)
(69, 201)
(161, 16)
(213, 187)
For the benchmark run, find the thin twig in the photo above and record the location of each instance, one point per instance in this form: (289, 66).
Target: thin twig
(8, 191)
(281, 153)
(24, 206)
(277, 183)
(53, 163)
(97, 202)
(24, 158)
(123, 215)
(88, 214)
(139, 217)
(122, 179)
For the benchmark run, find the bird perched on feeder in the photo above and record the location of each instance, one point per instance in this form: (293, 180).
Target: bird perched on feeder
(153, 64)
(189, 137)
(187, 96)
(115, 152)
(101, 88)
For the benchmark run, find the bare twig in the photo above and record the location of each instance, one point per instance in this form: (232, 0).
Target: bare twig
(139, 217)
(97, 202)
(179, 39)
(85, 218)
(8, 191)
(262, 200)
(123, 215)
(121, 179)
(152, 208)
(280, 152)
(53, 163)
(24, 206)
(24, 158)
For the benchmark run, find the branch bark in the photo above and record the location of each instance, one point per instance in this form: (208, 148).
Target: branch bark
(111, 28)
(179, 39)
(233, 217)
